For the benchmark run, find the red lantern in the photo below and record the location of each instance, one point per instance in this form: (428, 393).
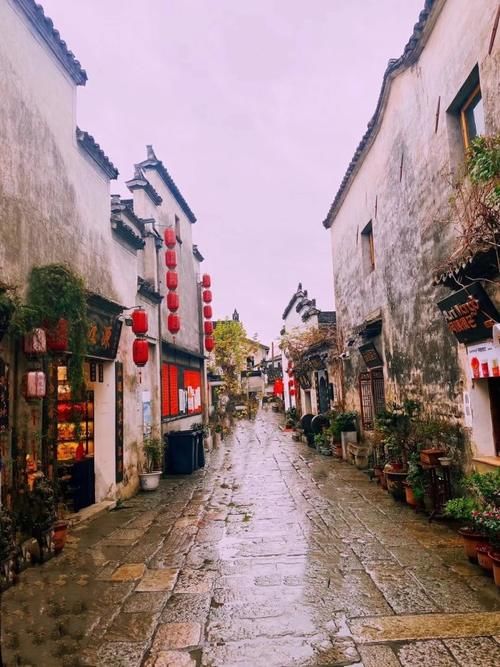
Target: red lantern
(207, 312)
(171, 259)
(172, 279)
(139, 321)
(169, 237)
(57, 336)
(209, 343)
(174, 324)
(291, 384)
(35, 385)
(206, 280)
(208, 328)
(278, 387)
(173, 301)
(292, 392)
(140, 351)
(207, 296)
(35, 342)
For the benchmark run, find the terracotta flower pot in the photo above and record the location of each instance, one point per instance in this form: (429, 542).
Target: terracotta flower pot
(484, 558)
(495, 558)
(472, 539)
(60, 534)
(431, 457)
(410, 497)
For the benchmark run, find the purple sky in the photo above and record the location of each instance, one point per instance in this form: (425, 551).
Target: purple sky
(255, 108)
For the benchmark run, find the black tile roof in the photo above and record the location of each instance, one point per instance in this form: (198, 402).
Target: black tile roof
(140, 181)
(90, 146)
(410, 54)
(45, 28)
(152, 162)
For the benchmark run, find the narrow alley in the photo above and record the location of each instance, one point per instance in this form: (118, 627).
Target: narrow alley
(271, 556)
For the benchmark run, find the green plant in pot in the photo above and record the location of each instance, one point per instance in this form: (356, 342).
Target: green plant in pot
(415, 482)
(462, 509)
(150, 473)
(322, 444)
(487, 521)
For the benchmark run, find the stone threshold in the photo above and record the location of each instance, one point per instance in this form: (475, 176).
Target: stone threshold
(379, 629)
(90, 513)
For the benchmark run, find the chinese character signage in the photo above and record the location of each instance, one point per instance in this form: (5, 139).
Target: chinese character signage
(469, 314)
(370, 355)
(103, 335)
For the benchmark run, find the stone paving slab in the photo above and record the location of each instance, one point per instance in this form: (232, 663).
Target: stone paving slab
(272, 555)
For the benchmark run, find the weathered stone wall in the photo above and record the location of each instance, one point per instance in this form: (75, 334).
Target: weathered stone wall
(402, 187)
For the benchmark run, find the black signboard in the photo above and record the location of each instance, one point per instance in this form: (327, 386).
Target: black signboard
(469, 314)
(104, 335)
(370, 355)
(119, 421)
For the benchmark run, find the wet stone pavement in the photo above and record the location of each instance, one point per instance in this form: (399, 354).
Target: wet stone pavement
(273, 556)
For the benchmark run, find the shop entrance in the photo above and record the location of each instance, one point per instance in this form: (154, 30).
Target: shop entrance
(494, 390)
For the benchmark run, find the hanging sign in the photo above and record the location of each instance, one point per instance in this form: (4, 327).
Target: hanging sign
(370, 355)
(469, 314)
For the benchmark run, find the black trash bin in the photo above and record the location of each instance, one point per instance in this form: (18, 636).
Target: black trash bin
(181, 452)
(201, 450)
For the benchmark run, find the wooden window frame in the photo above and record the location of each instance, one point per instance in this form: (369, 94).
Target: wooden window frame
(369, 249)
(373, 380)
(463, 110)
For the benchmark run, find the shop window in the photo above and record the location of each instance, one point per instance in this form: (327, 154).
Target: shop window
(181, 391)
(368, 249)
(372, 396)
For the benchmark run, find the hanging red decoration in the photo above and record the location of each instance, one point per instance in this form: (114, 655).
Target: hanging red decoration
(169, 237)
(140, 352)
(172, 279)
(35, 385)
(278, 387)
(207, 312)
(292, 392)
(207, 296)
(291, 384)
(208, 328)
(173, 301)
(139, 321)
(35, 342)
(171, 259)
(57, 336)
(174, 324)
(206, 281)
(209, 343)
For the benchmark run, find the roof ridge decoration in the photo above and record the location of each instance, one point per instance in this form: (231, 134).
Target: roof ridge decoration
(409, 56)
(90, 146)
(152, 162)
(45, 28)
(139, 181)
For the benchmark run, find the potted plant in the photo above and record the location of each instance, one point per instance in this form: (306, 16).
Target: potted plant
(488, 555)
(152, 466)
(461, 509)
(321, 441)
(414, 484)
(345, 424)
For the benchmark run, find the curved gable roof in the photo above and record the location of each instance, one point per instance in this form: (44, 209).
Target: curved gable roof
(412, 51)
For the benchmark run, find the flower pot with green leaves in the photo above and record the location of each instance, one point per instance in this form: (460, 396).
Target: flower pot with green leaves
(487, 520)
(36, 515)
(345, 424)
(415, 482)
(153, 461)
(322, 443)
(462, 509)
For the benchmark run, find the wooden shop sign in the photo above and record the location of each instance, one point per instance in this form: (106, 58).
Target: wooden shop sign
(469, 314)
